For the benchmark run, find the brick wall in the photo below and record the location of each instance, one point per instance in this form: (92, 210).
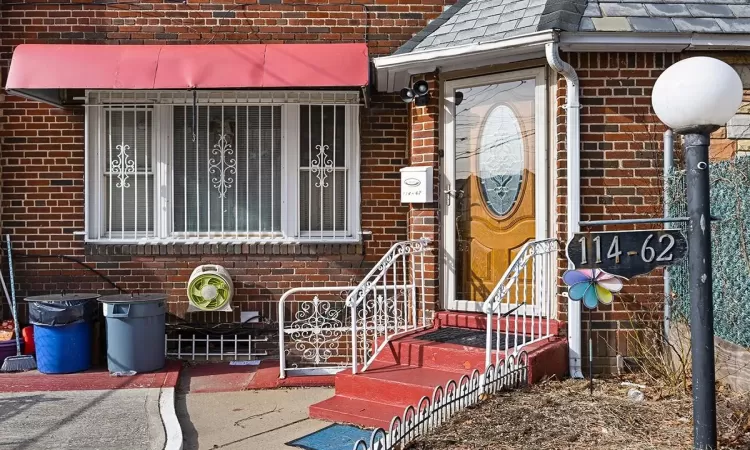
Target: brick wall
(43, 148)
(424, 219)
(621, 178)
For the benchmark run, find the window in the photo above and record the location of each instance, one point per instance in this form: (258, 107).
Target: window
(323, 169)
(227, 176)
(128, 168)
(167, 166)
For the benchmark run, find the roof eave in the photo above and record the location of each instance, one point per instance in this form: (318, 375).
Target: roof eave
(393, 72)
(597, 41)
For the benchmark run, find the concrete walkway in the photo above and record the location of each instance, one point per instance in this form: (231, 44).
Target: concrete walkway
(260, 419)
(93, 419)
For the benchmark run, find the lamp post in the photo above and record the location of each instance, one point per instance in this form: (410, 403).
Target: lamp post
(695, 97)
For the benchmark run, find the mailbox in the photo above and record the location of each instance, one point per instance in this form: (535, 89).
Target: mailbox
(416, 184)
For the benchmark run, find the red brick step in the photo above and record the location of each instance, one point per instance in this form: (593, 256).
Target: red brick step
(410, 368)
(359, 412)
(399, 385)
(411, 351)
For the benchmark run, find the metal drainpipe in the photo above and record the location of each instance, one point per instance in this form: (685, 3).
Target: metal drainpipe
(668, 165)
(573, 152)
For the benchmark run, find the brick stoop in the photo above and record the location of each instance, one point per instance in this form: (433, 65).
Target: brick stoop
(410, 368)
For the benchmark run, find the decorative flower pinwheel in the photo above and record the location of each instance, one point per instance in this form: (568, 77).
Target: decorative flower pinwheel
(593, 286)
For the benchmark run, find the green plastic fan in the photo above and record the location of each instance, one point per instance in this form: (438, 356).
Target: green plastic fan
(210, 288)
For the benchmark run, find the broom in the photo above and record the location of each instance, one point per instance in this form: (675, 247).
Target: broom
(18, 363)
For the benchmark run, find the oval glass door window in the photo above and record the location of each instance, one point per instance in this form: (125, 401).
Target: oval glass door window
(501, 160)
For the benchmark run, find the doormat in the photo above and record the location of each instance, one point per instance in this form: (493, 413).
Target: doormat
(470, 338)
(332, 437)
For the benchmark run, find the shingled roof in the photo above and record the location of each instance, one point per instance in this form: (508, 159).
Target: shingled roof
(684, 16)
(474, 21)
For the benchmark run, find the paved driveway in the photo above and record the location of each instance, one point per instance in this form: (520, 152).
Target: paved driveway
(100, 419)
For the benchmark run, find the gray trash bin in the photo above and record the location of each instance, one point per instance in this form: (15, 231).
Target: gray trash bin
(135, 331)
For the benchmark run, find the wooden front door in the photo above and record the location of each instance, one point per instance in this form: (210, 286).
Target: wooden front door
(493, 201)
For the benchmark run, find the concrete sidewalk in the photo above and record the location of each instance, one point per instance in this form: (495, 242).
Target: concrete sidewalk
(93, 419)
(260, 419)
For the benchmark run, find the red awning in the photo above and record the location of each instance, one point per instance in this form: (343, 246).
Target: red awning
(48, 71)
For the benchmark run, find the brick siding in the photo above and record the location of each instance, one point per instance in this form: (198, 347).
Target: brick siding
(43, 149)
(424, 219)
(621, 178)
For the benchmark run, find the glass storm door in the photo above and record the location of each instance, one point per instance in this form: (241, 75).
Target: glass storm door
(495, 198)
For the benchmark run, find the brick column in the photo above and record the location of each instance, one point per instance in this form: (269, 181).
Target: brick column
(424, 219)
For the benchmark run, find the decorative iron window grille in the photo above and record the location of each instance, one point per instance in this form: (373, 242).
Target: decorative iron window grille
(228, 166)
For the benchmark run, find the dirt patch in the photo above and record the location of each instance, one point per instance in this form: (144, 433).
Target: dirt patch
(562, 415)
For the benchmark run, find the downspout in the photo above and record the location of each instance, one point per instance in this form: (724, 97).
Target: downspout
(573, 157)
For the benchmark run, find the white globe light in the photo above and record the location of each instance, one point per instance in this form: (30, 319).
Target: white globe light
(697, 93)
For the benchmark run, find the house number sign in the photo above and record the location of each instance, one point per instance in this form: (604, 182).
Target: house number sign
(626, 253)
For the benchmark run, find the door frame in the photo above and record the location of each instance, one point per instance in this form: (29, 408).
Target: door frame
(447, 174)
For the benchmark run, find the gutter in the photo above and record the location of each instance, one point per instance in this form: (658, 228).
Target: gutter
(573, 179)
(393, 72)
(651, 42)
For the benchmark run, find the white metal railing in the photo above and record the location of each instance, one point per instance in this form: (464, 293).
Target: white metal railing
(314, 330)
(429, 414)
(318, 330)
(385, 303)
(523, 298)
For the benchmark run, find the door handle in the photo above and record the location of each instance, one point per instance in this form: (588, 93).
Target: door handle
(449, 193)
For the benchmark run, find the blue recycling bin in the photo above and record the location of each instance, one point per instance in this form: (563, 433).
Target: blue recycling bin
(63, 349)
(62, 331)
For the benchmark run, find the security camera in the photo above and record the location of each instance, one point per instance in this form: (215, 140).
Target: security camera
(407, 95)
(421, 88)
(459, 97)
(419, 94)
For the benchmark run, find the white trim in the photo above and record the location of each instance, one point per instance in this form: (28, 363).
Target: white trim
(215, 97)
(290, 165)
(448, 201)
(393, 71)
(162, 135)
(651, 42)
(353, 164)
(162, 167)
(168, 415)
(86, 172)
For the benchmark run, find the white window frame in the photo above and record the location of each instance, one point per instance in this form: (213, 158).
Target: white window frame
(162, 103)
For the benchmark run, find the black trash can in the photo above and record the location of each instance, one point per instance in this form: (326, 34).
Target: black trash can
(62, 331)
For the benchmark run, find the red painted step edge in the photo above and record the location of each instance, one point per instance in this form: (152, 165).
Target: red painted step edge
(394, 384)
(389, 385)
(359, 412)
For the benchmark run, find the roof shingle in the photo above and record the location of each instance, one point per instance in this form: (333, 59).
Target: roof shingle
(687, 16)
(472, 21)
